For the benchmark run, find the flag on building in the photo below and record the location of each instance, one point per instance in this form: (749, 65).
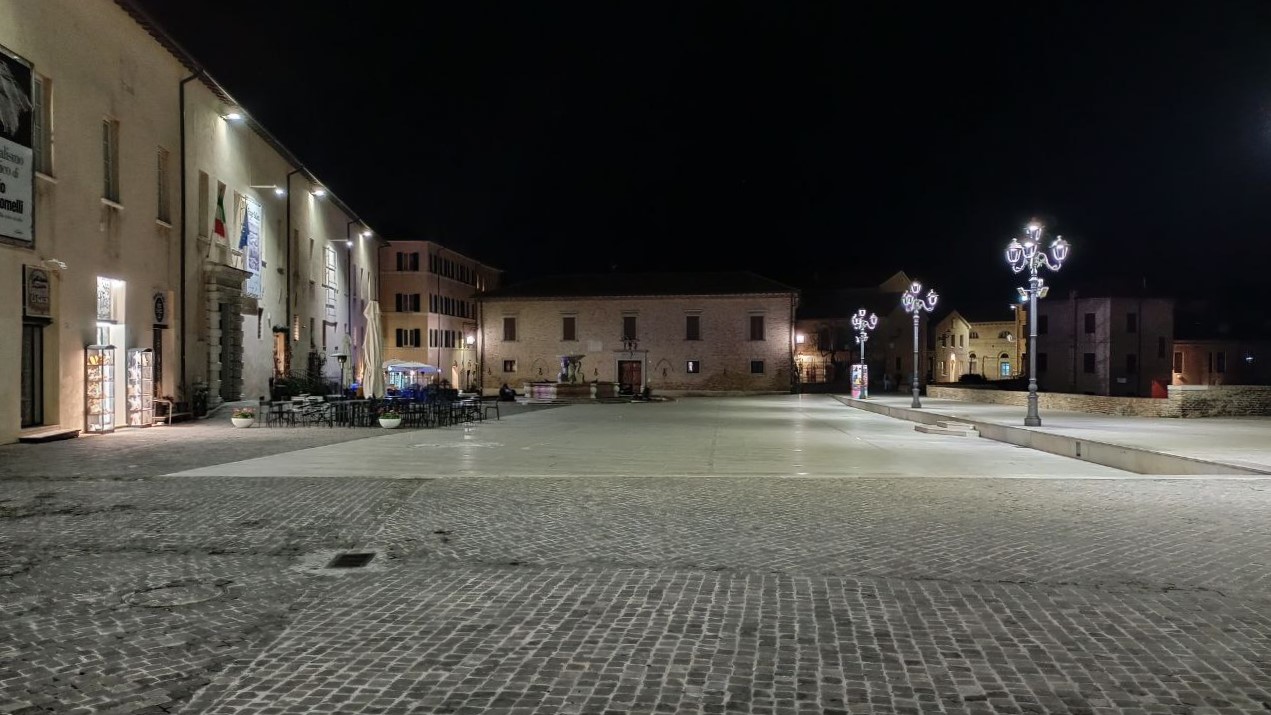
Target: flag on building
(218, 228)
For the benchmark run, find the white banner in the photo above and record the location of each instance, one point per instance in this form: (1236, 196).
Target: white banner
(249, 243)
(17, 169)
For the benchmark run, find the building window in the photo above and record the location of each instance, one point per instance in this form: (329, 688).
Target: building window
(110, 159)
(568, 328)
(628, 327)
(692, 327)
(509, 366)
(944, 342)
(1131, 322)
(1043, 324)
(408, 337)
(42, 124)
(756, 367)
(164, 212)
(1041, 362)
(509, 330)
(975, 335)
(693, 367)
(972, 364)
(756, 328)
(1222, 362)
(1160, 346)
(897, 364)
(1004, 365)
(942, 369)
(407, 261)
(962, 341)
(407, 302)
(1090, 322)
(1087, 362)
(1131, 364)
(1178, 361)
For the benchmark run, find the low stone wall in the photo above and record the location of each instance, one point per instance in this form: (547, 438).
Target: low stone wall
(1093, 404)
(1221, 400)
(1183, 401)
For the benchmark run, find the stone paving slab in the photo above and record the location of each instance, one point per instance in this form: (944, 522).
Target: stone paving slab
(571, 640)
(1242, 441)
(779, 435)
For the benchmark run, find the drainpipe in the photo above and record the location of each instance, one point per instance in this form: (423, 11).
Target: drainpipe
(286, 357)
(348, 242)
(181, 388)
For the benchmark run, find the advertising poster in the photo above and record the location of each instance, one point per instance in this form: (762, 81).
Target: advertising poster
(860, 381)
(17, 158)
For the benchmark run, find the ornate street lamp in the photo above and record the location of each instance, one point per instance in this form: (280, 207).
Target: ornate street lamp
(863, 325)
(914, 305)
(1029, 256)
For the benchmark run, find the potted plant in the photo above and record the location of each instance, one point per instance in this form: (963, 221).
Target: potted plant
(390, 419)
(243, 417)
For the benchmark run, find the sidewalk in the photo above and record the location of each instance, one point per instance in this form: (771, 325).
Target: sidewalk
(1142, 444)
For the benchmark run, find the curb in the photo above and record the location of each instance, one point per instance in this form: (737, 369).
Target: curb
(1117, 456)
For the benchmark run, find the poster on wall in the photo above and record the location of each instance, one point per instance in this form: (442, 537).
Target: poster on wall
(37, 301)
(249, 244)
(17, 170)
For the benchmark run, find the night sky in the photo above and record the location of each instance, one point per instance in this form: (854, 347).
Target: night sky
(815, 143)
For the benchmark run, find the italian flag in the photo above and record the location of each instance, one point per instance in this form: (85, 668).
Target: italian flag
(218, 228)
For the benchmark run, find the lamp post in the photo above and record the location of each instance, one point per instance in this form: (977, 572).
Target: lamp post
(914, 305)
(863, 325)
(342, 358)
(1029, 256)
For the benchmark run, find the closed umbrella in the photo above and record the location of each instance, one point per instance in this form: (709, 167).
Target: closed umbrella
(372, 375)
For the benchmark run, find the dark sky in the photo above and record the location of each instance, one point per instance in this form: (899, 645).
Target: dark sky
(840, 140)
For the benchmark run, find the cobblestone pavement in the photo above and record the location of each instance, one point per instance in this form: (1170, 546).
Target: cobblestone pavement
(631, 594)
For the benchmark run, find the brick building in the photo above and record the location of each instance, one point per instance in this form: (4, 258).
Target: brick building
(1106, 344)
(826, 341)
(690, 333)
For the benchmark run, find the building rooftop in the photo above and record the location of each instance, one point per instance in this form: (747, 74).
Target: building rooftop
(641, 284)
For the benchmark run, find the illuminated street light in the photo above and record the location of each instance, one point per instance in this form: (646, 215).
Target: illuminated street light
(1029, 256)
(863, 325)
(914, 305)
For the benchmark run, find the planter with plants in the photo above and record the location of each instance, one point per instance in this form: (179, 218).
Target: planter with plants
(390, 419)
(243, 417)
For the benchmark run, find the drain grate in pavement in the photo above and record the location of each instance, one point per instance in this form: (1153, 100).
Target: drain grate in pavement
(351, 560)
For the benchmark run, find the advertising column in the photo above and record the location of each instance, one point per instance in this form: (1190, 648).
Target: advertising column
(17, 174)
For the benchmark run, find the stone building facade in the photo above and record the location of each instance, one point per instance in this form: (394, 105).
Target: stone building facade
(678, 334)
(129, 252)
(1105, 345)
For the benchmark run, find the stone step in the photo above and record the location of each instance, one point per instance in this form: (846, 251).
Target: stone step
(936, 429)
(51, 433)
(950, 424)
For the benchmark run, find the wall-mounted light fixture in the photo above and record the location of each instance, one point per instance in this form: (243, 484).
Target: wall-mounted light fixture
(319, 192)
(54, 265)
(233, 115)
(278, 190)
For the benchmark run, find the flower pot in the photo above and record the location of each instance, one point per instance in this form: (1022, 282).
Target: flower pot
(390, 422)
(242, 421)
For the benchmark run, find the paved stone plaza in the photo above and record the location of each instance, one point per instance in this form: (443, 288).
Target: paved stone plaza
(785, 554)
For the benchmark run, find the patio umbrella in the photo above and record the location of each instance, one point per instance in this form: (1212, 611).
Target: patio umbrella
(409, 366)
(372, 376)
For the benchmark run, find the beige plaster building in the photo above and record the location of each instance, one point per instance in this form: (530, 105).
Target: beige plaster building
(129, 251)
(677, 334)
(428, 296)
